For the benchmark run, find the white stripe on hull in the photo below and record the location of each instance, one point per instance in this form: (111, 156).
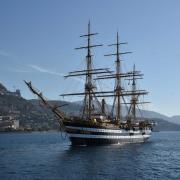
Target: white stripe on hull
(147, 131)
(146, 136)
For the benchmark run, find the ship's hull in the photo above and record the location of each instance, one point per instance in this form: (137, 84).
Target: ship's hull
(100, 136)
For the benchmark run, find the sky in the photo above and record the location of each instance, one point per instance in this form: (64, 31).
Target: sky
(38, 37)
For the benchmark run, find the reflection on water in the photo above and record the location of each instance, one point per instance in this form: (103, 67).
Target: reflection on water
(46, 156)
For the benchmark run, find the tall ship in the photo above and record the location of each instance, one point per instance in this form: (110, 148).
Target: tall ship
(97, 124)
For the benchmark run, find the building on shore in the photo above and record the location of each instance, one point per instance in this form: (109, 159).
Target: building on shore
(4, 91)
(8, 123)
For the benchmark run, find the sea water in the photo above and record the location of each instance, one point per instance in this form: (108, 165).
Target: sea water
(48, 156)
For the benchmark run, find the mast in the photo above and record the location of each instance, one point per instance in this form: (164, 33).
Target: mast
(118, 82)
(118, 88)
(134, 99)
(134, 102)
(87, 110)
(88, 72)
(88, 85)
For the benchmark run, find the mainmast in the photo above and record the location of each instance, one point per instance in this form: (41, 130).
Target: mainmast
(134, 98)
(118, 82)
(118, 87)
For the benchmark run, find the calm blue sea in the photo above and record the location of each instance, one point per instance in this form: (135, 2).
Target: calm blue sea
(45, 156)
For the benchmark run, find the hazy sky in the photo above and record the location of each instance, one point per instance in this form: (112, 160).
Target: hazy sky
(38, 37)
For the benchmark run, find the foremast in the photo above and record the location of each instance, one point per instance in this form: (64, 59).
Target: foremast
(89, 88)
(87, 108)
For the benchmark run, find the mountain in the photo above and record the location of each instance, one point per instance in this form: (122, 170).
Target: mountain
(29, 116)
(67, 107)
(163, 125)
(175, 119)
(3, 88)
(152, 114)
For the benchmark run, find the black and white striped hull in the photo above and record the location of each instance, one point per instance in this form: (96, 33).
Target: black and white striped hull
(98, 136)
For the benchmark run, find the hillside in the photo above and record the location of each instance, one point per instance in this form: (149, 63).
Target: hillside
(28, 115)
(3, 88)
(163, 125)
(175, 119)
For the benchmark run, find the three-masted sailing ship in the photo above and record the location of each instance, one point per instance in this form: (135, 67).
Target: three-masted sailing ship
(95, 125)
